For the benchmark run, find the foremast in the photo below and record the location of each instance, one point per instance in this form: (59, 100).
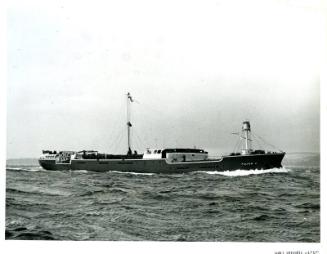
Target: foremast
(129, 100)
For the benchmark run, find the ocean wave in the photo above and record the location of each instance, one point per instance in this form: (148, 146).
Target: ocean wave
(80, 171)
(309, 205)
(132, 173)
(39, 190)
(129, 206)
(242, 172)
(23, 233)
(33, 169)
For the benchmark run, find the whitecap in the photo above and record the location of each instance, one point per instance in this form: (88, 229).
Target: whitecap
(79, 171)
(242, 172)
(34, 169)
(13, 168)
(133, 173)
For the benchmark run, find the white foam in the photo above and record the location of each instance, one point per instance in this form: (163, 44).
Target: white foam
(27, 169)
(12, 168)
(79, 171)
(133, 173)
(242, 172)
(47, 190)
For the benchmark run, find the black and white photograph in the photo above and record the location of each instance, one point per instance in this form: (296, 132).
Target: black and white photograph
(178, 122)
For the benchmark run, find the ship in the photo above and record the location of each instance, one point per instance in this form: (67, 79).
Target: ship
(164, 160)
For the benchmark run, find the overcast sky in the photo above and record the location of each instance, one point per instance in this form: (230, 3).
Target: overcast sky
(197, 69)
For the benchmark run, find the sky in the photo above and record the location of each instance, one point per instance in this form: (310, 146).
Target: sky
(196, 69)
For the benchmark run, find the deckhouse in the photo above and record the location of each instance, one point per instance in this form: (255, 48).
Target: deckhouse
(176, 154)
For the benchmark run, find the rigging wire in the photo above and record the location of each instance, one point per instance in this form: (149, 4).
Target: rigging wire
(115, 135)
(236, 147)
(118, 123)
(257, 142)
(117, 143)
(156, 119)
(238, 141)
(139, 139)
(135, 145)
(267, 142)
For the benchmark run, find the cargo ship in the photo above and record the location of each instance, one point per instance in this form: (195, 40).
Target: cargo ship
(164, 160)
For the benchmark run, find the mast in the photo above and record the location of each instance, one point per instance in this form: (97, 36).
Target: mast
(129, 125)
(246, 128)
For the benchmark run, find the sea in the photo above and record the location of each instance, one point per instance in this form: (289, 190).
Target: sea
(273, 205)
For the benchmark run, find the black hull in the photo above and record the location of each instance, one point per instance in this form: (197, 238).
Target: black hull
(226, 163)
(247, 162)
